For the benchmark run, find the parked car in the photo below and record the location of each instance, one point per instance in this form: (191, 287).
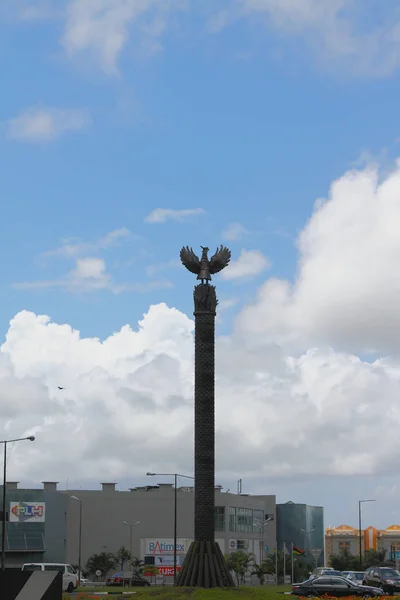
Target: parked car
(69, 575)
(121, 579)
(355, 576)
(337, 587)
(84, 582)
(386, 578)
(320, 571)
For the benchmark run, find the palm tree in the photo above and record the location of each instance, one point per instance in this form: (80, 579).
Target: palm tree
(138, 565)
(123, 555)
(152, 571)
(240, 563)
(260, 571)
(103, 562)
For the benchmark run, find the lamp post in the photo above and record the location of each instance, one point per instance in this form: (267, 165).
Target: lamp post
(261, 525)
(31, 438)
(131, 526)
(175, 476)
(80, 537)
(306, 534)
(360, 502)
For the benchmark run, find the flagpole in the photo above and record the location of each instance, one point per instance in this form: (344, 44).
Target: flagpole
(292, 565)
(276, 564)
(284, 562)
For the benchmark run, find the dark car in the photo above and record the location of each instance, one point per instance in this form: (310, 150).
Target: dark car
(337, 587)
(385, 578)
(120, 579)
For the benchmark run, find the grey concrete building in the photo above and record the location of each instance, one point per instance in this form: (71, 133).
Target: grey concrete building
(150, 511)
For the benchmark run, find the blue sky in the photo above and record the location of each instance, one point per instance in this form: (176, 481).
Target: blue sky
(233, 119)
(240, 123)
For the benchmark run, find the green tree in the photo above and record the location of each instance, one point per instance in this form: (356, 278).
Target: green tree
(103, 562)
(344, 561)
(374, 558)
(240, 562)
(260, 571)
(152, 571)
(138, 565)
(122, 556)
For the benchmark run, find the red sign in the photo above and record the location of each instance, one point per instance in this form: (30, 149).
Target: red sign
(168, 571)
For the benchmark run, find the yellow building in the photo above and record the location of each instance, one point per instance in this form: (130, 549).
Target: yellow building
(347, 538)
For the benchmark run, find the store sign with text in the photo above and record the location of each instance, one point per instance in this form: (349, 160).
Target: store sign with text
(166, 546)
(27, 512)
(167, 571)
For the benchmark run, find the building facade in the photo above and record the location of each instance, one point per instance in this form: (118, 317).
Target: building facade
(141, 519)
(344, 537)
(302, 525)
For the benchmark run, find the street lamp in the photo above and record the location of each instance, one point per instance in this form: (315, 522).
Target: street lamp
(80, 537)
(359, 526)
(261, 525)
(175, 476)
(306, 534)
(31, 438)
(131, 526)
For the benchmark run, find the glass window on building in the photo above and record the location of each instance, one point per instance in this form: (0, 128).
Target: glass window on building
(232, 518)
(219, 518)
(258, 520)
(244, 520)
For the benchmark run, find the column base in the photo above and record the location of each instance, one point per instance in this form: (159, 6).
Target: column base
(205, 567)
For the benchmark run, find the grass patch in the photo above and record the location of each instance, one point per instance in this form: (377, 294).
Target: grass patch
(266, 592)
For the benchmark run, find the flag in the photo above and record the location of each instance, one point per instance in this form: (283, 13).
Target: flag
(285, 550)
(298, 552)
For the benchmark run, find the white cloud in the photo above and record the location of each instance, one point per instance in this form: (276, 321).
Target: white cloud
(72, 248)
(102, 27)
(249, 264)
(361, 36)
(234, 232)
(282, 390)
(90, 275)
(46, 124)
(347, 290)
(161, 215)
(138, 384)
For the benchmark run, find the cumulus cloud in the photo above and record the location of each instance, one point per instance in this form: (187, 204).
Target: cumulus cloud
(290, 384)
(46, 124)
(347, 290)
(136, 386)
(249, 264)
(161, 215)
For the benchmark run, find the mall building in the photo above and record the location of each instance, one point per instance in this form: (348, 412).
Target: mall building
(43, 524)
(347, 538)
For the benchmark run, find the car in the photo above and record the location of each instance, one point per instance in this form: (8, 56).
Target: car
(84, 582)
(121, 579)
(385, 578)
(69, 575)
(337, 587)
(320, 571)
(355, 576)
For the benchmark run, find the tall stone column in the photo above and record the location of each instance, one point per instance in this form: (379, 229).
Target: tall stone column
(204, 565)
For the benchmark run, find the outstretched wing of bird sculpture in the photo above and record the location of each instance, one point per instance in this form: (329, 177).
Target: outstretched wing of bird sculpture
(190, 260)
(220, 260)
